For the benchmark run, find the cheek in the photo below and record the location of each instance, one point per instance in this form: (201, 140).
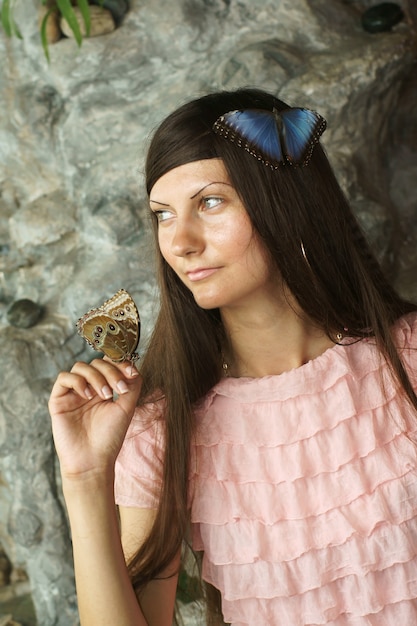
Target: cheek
(246, 247)
(163, 246)
(237, 236)
(257, 259)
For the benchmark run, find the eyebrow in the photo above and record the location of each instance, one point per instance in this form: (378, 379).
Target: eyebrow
(156, 202)
(215, 182)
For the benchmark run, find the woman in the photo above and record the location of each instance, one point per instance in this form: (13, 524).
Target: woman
(276, 400)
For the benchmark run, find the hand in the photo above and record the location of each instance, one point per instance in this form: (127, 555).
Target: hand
(88, 425)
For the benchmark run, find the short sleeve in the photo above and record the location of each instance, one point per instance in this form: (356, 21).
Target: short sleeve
(139, 465)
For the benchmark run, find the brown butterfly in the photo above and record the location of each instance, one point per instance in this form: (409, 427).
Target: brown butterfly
(113, 328)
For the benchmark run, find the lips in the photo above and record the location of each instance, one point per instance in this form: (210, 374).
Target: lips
(201, 273)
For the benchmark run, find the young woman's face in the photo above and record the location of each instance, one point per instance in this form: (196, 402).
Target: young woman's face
(206, 236)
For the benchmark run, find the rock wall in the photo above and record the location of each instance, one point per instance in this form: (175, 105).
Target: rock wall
(72, 206)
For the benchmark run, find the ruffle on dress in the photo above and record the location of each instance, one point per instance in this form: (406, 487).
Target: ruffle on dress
(303, 493)
(303, 490)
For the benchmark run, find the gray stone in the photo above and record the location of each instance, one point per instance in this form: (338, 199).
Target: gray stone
(24, 313)
(43, 221)
(25, 527)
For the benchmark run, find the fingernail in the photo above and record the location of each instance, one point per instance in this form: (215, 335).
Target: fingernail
(132, 371)
(107, 392)
(88, 393)
(122, 387)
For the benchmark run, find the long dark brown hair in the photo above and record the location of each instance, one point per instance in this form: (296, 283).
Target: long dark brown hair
(311, 234)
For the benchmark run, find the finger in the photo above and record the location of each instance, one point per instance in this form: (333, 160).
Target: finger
(67, 381)
(105, 377)
(127, 368)
(128, 401)
(96, 377)
(123, 377)
(118, 375)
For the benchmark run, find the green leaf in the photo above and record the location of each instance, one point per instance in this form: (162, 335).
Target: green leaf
(5, 17)
(69, 15)
(43, 35)
(85, 12)
(8, 23)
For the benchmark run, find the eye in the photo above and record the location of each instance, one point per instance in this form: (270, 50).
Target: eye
(210, 202)
(162, 215)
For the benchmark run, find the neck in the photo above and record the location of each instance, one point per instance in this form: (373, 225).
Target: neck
(270, 340)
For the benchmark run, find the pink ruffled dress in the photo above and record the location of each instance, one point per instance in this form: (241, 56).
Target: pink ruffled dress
(303, 490)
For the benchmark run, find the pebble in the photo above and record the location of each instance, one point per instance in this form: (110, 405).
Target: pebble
(102, 22)
(382, 17)
(24, 313)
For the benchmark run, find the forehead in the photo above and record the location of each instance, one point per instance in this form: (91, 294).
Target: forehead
(190, 178)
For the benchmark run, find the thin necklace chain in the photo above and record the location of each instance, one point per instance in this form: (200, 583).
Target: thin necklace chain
(225, 366)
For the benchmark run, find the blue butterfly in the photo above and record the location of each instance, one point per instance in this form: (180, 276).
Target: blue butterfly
(274, 137)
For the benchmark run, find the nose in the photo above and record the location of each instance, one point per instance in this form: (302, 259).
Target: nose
(188, 236)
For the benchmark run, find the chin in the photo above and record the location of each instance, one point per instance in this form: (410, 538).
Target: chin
(207, 306)
(208, 303)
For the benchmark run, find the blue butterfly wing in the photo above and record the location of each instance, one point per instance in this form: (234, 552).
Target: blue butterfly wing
(257, 131)
(300, 131)
(274, 137)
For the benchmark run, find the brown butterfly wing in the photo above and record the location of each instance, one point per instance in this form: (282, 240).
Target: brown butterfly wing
(113, 328)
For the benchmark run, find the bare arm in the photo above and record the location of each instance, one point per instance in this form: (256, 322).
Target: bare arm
(158, 598)
(89, 428)
(105, 595)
